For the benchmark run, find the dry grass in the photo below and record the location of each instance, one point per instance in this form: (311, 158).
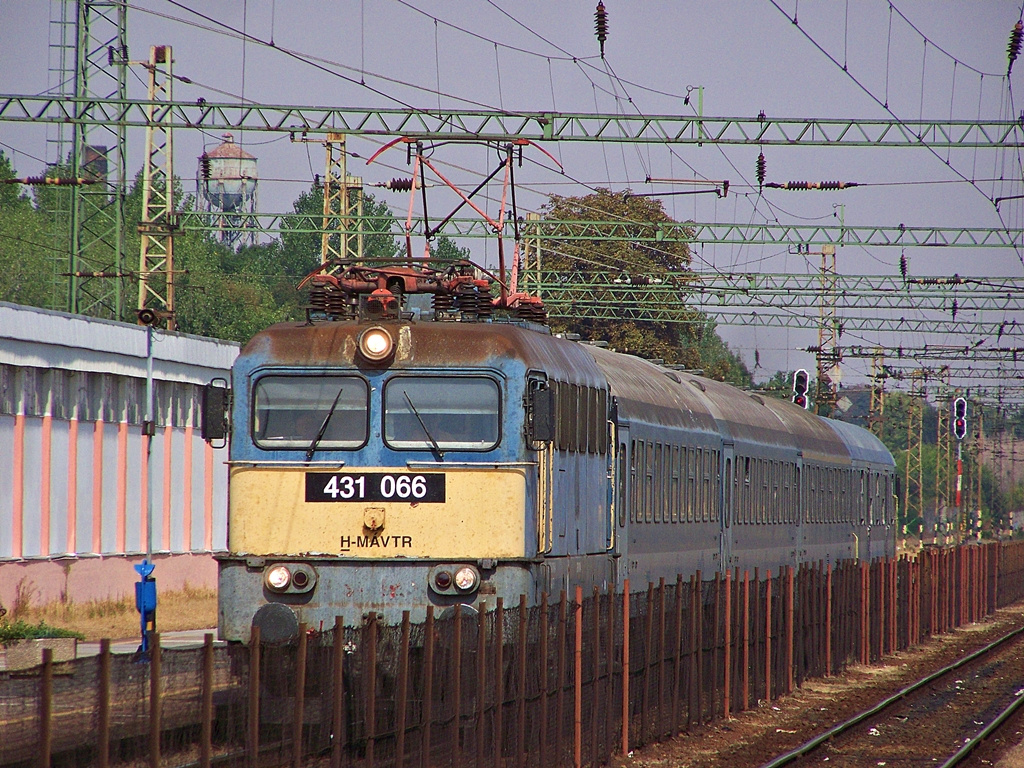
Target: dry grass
(190, 608)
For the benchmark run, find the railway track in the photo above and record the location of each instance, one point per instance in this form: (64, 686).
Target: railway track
(944, 719)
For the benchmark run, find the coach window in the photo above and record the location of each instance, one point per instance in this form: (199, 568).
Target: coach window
(622, 484)
(676, 482)
(290, 412)
(634, 477)
(649, 483)
(423, 413)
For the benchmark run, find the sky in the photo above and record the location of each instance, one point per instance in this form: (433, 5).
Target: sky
(862, 59)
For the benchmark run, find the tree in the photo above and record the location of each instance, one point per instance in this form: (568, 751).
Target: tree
(29, 261)
(694, 344)
(301, 250)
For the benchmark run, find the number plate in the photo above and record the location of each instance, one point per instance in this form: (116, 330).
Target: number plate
(375, 486)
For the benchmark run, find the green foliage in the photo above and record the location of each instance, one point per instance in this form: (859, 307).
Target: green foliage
(694, 345)
(12, 631)
(445, 248)
(29, 262)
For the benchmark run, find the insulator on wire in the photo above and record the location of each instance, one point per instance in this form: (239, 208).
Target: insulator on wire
(204, 166)
(398, 185)
(1013, 49)
(601, 25)
(903, 266)
(803, 185)
(761, 166)
(955, 306)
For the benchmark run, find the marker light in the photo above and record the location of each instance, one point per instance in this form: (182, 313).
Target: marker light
(465, 578)
(443, 579)
(376, 344)
(278, 578)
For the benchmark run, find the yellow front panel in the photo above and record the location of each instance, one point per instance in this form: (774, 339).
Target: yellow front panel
(483, 516)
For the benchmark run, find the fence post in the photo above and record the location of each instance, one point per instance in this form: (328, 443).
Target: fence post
(206, 727)
(46, 709)
(660, 729)
(609, 684)
(645, 698)
(521, 693)
(457, 676)
(481, 682)
(577, 688)
(678, 654)
(370, 681)
(103, 705)
(499, 675)
(727, 691)
(789, 629)
(625, 666)
(563, 628)
(300, 696)
(545, 692)
(403, 692)
(154, 701)
(253, 736)
(428, 687)
(746, 639)
(828, 620)
(338, 704)
(596, 672)
(698, 605)
(768, 635)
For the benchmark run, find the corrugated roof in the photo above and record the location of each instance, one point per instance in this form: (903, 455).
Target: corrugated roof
(41, 338)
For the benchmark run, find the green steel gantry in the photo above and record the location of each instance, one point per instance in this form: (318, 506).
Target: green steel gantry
(496, 125)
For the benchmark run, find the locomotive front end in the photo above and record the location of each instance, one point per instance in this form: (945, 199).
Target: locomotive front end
(374, 468)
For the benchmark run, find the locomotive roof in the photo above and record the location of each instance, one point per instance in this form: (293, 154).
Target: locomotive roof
(426, 344)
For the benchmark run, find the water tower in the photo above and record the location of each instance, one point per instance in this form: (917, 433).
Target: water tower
(226, 189)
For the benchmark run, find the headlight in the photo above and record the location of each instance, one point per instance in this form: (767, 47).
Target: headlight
(376, 344)
(465, 578)
(454, 579)
(278, 578)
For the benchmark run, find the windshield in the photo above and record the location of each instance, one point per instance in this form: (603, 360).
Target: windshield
(441, 412)
(289, 412)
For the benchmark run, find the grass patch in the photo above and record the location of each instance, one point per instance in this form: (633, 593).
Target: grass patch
(19, 629)
(189, 608)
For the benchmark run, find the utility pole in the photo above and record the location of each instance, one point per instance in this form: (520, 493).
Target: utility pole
(158, 223)
(343, 199)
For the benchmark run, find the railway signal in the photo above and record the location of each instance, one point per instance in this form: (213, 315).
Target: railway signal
(800, 388)
(960, 418)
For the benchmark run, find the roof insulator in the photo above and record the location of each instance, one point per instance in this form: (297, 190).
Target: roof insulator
(1013, 49)
(601, 25)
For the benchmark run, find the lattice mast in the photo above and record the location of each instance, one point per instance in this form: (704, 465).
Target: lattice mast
(913, 485)
(876, 407)
(343, 200)
(943, 449)
(97, 273)
(829, 354)
(157, 226)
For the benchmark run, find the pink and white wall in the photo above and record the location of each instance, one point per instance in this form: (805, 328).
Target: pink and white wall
(82, 494)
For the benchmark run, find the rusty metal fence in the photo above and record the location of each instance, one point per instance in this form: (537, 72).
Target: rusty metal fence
(572, 681)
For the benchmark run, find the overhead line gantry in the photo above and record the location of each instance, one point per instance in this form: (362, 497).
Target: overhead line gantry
(495, 125)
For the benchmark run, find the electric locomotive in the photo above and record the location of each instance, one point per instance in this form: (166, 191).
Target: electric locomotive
(384, 459)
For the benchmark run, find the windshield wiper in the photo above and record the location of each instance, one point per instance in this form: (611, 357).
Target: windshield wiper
(433, 443)
(323, 427)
